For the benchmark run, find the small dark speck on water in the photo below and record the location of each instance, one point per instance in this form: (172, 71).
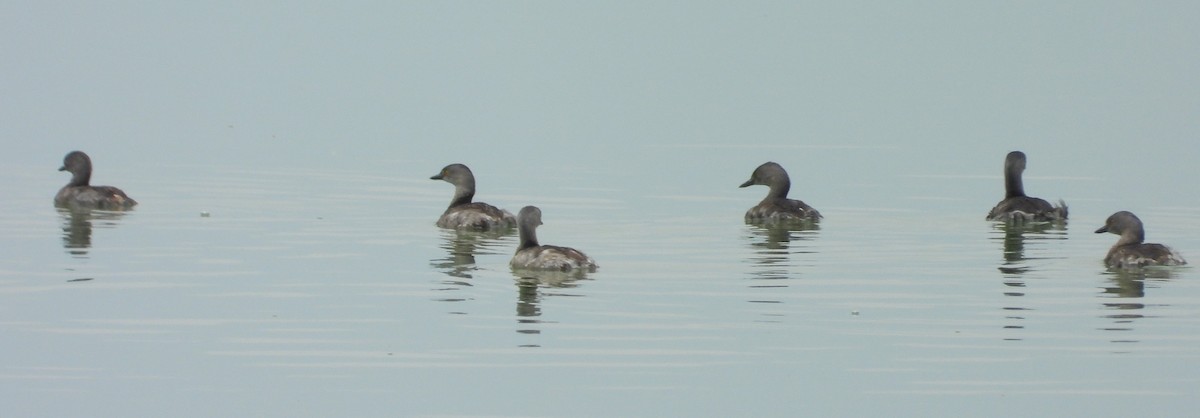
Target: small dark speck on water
(80, 280)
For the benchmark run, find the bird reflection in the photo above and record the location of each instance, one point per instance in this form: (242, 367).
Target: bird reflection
(773, 247)
(77, 224)
(1128, 287)
(1016, 234)
(532, 286)
(459, 263)
(1014, 237)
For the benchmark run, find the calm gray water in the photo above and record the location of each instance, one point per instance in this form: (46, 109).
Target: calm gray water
(331, 292)
(318, 284)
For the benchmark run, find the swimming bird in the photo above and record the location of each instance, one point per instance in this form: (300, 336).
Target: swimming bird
(1016, 206)
(78, 193)
(464, 214)
(531, 255)
(1130, 251)
(776, 207)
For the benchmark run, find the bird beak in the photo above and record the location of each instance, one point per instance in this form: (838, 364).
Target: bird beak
(748, 183)
(63, 168)
(1102, 229)
(437, 177)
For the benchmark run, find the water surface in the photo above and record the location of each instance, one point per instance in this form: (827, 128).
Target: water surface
(324, 291)
(318, 285)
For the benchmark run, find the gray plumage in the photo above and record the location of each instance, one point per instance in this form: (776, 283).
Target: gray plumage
(79, 193)
(1130, 251)
(776, 207)
(462, 212)
(531, 255)
(1016, 206)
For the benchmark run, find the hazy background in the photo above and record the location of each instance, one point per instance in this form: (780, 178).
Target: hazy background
(320, 285)
(1106, 93)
